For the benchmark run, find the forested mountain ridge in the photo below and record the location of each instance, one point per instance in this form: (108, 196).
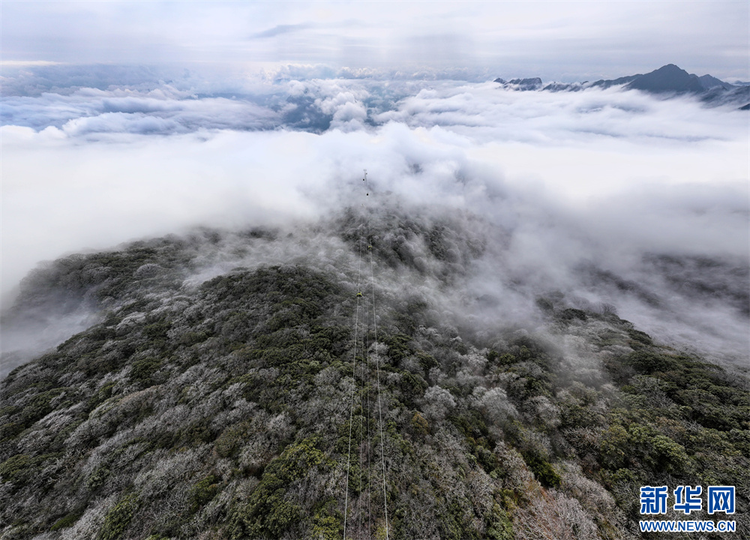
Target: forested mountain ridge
(215, 402)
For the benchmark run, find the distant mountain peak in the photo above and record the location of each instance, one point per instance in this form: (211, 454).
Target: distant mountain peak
(710, 82)
(530, 83)
(670, 68)
(669, 79)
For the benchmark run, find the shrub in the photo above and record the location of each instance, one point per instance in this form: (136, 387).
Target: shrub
(542, 469)
(67, 520)
(142, 370)
(119, 517)
(327, 522)
(499, 526)
(21, 469)
(647, 362)
(419, 424)
(268, 512)
(202, 492)
(439, 402)
(229, 441)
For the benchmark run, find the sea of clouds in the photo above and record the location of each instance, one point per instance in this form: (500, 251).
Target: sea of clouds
(610, 196)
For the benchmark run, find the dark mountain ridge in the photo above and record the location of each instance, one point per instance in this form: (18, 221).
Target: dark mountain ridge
(666, 81)
(245, 401)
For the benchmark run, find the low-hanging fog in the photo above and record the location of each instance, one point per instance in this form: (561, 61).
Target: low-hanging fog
(603, 197)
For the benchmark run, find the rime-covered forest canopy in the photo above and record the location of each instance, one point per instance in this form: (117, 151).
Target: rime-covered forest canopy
(220, 395)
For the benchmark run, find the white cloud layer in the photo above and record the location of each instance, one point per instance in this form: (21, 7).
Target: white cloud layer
(589, 189)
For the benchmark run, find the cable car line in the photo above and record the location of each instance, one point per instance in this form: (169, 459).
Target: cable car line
(365, 406)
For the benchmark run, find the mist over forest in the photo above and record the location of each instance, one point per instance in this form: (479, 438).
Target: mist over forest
(607, 196)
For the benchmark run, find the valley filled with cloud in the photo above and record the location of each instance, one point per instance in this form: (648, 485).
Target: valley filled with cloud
(608, 179)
